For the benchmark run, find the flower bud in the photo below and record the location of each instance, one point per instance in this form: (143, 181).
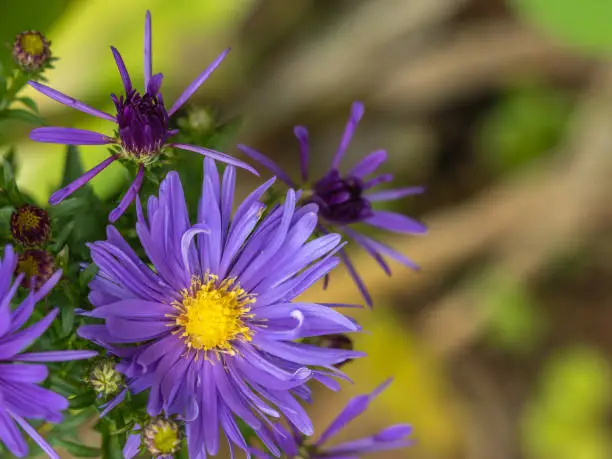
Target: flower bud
(104, 378)
(37, 265)
(161, 437)
(30, 225)
(31, 50)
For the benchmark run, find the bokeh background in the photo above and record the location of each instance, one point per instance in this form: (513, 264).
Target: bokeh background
(500, 346)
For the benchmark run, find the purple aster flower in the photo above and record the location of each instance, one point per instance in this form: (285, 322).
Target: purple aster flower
(293, 446)
(21, 397)
(213, 327)
(345, 199)
(142, 121)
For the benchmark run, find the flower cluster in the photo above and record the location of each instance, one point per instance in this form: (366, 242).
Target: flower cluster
(196, 311)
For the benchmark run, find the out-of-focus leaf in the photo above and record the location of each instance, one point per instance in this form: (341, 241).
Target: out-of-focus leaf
(516, 323)
(111, 446)
(572, 402)
(21, 115)
(584, 23)
(528, 122)
(28, 102)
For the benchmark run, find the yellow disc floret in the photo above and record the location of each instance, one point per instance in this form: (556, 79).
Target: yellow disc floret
(161, 437)
(211, 315)
(32, 43)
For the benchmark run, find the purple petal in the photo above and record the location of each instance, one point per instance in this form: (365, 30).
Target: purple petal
(40, 441)
(132, 445)
(397, 193)
(129, 196)
(358, 281)
(10, 435)
(125, 76)
(62, 194)
(365, 244)
(354, 408)
(148, 57)
(155, 84)
(385, 250)
(369, 164)
(383, 178)
(395, 222)
(394, 433)
(215, 155)
(357, 110)
(302, 135)
(69, 101)
(193, 87)
(56, 356)
(267, 163)
(69, 136)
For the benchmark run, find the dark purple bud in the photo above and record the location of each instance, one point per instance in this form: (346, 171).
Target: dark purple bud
(341, 199)
(30, 225)
(143, 122)
(37, 265)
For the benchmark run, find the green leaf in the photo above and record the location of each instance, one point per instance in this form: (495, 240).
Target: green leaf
(77, 449)
(62, 237)
(21, 115)
(584, 23)
(83, 401)
(28, 102)
(87, 275)
(73, 167)
(111, 446)
(67, 319)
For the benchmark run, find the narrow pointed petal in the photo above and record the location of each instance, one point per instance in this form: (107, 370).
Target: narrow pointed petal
(69, 136)
(397, 193)
(358, 281)
(222, 157)
(193, 87)
(154, 84)
(395, 222)
(129, 196)
(69, 101)
(40, 441)
(148, 57)
(369, 164)
(62, 194)
(56, 356)
(357, 110)
(125, 76)
(302, 135)
(267, 163)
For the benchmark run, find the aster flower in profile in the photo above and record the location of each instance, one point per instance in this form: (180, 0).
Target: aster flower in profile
(345, 199)
(212, 329)
(142, 122)
(294, 446)
(21, 397)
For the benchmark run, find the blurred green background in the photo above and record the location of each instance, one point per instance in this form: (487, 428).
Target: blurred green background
(500, 346)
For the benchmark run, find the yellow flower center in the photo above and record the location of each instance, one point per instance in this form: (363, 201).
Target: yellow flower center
(211, 314)
(166, 439)
(27, 220)
(28, 265)
(32, 43)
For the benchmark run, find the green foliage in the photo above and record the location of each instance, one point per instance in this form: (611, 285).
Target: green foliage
(567, 420)
(584, 24)
(526, 123)
(516, 323)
